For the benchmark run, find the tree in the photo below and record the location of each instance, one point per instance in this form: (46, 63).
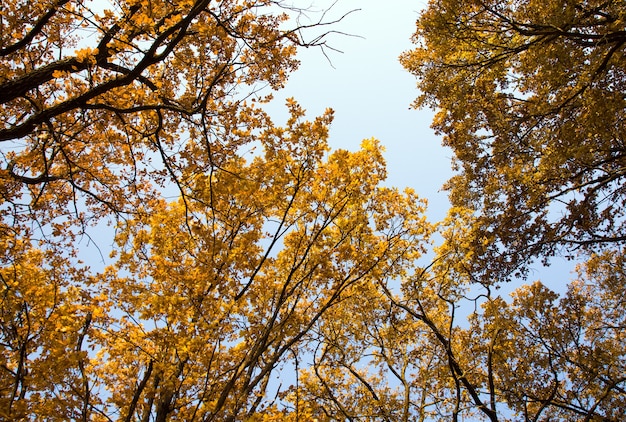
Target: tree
(103, 110)
(548, 357)
(530, 97)
(212, 294)
(101, 106)
(537, 356)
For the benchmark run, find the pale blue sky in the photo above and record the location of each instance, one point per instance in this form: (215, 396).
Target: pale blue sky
(371, 94)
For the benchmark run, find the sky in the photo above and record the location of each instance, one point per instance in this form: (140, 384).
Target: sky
(371, 94)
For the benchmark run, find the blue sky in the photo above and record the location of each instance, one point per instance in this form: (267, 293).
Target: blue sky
(371, 94)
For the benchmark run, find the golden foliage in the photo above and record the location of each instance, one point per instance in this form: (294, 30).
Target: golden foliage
(256, 275)
(530, 97)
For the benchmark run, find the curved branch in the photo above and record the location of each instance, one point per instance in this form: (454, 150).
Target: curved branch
(34, 31)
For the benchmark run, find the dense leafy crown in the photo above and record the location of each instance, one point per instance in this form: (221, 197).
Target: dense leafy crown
(100, 100)
(530, 97)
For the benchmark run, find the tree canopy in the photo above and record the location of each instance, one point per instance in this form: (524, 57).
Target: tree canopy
(110, 102)
(530, 97)
(258, 275)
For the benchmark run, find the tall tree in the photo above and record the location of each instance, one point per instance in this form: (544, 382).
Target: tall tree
(101, 101)
(106, 106)
(415, 356)
(210, 295)
(530, 97)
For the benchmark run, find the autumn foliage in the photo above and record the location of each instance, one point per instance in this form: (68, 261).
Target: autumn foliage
(530, 97)
(258, 275)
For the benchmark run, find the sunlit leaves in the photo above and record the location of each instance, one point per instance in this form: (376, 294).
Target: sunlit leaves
(556, 357)
(261, 261)
(100, 101)
(45, 324)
